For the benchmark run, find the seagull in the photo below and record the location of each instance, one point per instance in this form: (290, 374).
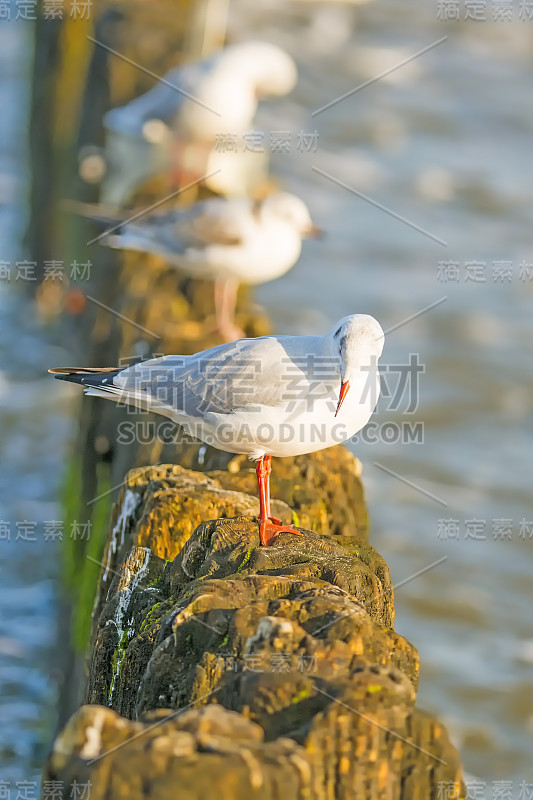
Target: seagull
(193, 103)
(228, 240)
(263, 397)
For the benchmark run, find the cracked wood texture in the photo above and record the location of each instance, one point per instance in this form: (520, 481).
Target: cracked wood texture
(263, 672)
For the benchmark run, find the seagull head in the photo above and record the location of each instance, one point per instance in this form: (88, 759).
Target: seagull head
(293, 211)
(358, 341)
(271, 69)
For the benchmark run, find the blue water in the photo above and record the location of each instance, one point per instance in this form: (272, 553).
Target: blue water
(32, 436)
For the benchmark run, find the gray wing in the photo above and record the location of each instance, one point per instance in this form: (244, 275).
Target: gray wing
(162, 102)
(233, 377)
(216, 221)
(151, 234)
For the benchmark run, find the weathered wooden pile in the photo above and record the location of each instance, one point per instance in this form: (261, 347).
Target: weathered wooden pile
(215, 663)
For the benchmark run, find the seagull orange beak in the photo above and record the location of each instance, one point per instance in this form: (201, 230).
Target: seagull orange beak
(342, 394)
(313, 232)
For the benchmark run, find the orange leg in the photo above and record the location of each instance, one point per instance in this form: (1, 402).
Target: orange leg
(269, 527)
(188, 162)
(225, 304)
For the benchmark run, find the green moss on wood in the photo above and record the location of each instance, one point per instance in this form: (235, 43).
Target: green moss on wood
(82, 557)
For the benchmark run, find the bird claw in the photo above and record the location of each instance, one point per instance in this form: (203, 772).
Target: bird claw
(270, 529)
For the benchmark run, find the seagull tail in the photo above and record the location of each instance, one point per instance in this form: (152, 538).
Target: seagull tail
(93, 377)
(108, 219)
(103, 215)
(98, 382)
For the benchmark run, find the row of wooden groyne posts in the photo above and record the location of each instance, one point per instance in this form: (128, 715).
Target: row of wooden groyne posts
(193, 660)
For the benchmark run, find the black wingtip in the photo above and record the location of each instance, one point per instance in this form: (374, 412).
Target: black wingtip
(65, 374)
(85, 375)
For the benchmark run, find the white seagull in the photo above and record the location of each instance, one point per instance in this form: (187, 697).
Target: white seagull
(227, 240)
(264, 397)
(193, 103)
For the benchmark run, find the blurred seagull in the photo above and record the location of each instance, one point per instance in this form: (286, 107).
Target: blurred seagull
(228, 240)
(216, 95)
(193, 103)
(264, 397)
